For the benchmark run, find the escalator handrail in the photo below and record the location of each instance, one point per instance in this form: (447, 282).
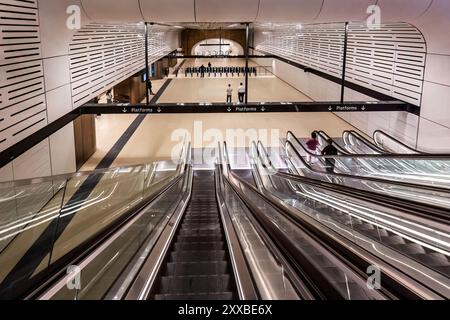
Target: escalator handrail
(75, 257)
(406, 156)
(47, 280)
(62, 177)
(427, 211)
(397, 141)
(144, 282)
(244, 281)
(358, 256)
(291, 134)
(443, 287)
(367, 178)
(366, 142)
(326, 137)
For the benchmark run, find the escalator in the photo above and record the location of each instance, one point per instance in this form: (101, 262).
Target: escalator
(198, 265)
(366, 225)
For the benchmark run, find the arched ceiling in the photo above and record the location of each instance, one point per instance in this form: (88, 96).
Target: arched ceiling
(304, 11)
(432, 17)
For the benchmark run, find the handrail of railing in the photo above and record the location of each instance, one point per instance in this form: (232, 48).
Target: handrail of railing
(402, 144)
(364, 141)
(360, 258)
(426, 210)
(443, 288)
(244, 281)
(326, 137)
(50, 282)
(406, 156)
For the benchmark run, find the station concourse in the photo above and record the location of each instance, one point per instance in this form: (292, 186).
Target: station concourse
(224, 150)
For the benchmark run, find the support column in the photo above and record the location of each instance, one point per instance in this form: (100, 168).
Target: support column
(247, 35)
(344, 63)
(147, 70)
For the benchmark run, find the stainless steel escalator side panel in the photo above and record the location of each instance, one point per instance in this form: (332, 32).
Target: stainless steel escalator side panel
(438, 279)
(244, 282)
(144, 281)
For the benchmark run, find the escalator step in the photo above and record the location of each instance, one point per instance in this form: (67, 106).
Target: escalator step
(409, 248)
(201, 220)
(195, 284)
(196, 296)
(197, 256)
(196, 268)
(199, 238)
(365, 226)
(198, 246)
(393, 240)
(194, 232)
(200, 226)
(376, 233)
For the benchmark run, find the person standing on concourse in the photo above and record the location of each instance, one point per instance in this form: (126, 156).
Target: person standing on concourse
(241, 93)
(229, 94)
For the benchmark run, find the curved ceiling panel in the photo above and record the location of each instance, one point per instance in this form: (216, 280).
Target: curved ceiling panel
(344, 10)
(113, 10)
(434, 25)
(226, 10)
(402, 10)
(288, 10)
(168, 10)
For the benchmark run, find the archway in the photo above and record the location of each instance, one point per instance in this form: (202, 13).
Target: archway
(216, 46)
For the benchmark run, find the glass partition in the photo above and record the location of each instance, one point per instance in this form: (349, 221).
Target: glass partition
(45, 219)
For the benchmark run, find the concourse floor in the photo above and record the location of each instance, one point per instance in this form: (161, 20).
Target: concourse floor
(158, 135)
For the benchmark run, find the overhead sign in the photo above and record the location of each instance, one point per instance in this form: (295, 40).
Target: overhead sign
(244, 108)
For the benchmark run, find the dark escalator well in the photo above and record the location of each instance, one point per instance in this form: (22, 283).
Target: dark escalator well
(198, 265)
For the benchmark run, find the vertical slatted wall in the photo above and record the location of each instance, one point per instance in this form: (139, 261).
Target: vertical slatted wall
(390, 60)
(22, 92)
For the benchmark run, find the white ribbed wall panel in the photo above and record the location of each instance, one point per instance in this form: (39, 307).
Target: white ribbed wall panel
(390, 60)
(22, 90)
(104, 55)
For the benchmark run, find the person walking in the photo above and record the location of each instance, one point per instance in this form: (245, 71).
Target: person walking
(241, 93)
(313, 147)
(202, 71)
(209, 64)
(229, 94)
(330, 150)
(109, 97)
(150, 87)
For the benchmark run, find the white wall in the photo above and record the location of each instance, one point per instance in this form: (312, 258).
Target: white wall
(54, 86)
(402, 125)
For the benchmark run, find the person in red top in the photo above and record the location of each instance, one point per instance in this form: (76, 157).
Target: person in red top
(313, 147)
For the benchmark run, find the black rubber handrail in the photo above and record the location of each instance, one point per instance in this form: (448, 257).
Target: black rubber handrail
(406, 156)
(427, 211)
(368, 178)
(440, 291)
(364, 141)
(398, 142)
(296, 281)
(357, 259)
(308, 272)
(326, 137)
